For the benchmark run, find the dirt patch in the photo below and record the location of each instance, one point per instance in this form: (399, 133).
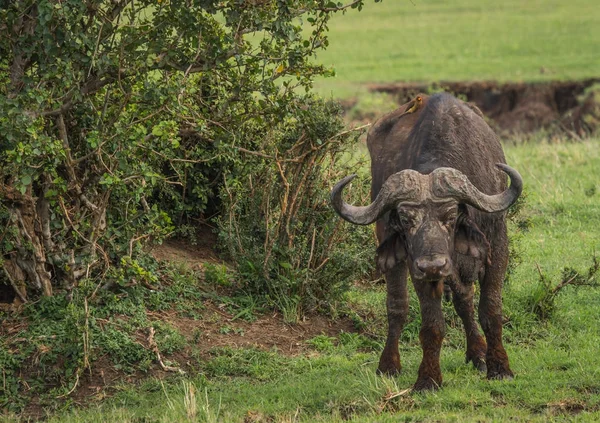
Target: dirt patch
(567, 407)
(193, 255)
(219, 328)
(519, 108)
(215, 328)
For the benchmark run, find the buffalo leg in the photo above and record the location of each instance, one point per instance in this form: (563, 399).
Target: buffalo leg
(463, 304)
(433, 328)
(397, 312)
(490, 310)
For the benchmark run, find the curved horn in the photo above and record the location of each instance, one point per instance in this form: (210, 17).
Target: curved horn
(400, 186)
(450, 182)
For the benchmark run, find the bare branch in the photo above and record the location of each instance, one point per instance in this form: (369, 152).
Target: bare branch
(358, 128)
(14, 285)
(154, 347)
(62, 130)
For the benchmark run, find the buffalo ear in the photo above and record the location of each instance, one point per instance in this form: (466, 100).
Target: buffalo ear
(390, 252)
(470, 241)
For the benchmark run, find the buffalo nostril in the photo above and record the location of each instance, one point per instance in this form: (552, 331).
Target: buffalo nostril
(422, 265)
(433, 266)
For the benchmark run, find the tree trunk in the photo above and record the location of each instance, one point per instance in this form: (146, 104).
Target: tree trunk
(26, 265)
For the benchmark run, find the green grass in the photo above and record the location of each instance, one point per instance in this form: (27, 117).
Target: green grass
(512, 40)
(555, 361)
(562, 187)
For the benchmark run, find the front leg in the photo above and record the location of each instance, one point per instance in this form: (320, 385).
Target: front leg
(397, 312)
(463, 304)
(432, 333)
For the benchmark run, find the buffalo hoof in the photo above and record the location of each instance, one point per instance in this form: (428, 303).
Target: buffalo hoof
(478, 363)
(426, 384)
(389, 363)
(499, 373)
(388, 371)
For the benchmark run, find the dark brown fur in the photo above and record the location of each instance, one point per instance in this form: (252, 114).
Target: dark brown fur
(442, 132)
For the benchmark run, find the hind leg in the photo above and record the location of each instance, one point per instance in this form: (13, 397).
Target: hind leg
(490, 308)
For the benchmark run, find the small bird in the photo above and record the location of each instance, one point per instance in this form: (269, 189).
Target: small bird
(414, 105)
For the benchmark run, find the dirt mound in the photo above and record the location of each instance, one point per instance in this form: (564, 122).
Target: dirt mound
(520, 108)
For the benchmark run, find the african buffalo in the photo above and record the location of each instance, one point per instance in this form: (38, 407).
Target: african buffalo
(438, 197)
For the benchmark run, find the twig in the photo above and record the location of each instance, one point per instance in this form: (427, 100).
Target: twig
(358, 128)
(562, 284)
(392, 395)
(284, 199)
(312, 247)
(267, 156)
(73, 388)
(133, 240)
(62, 130)
(323, 263)
(539, 270)
(86, 338)
(154, 347)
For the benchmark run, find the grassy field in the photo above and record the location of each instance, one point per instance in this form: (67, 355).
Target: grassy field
(554, 359)
(417, 40)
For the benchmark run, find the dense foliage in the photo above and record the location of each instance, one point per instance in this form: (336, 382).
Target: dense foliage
(122, 122)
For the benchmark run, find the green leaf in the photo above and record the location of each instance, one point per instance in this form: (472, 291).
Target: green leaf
(26, 180)
(157, 131)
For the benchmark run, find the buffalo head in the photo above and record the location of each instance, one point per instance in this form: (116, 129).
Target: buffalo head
(427, 218)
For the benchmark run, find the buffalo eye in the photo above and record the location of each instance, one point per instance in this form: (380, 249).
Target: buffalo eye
(407, 221)
(449, 219)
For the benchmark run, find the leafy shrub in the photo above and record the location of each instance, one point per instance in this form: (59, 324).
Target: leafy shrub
(111, 134)
(278, 225)
(217, 274)
(120, 121)
(542, 301)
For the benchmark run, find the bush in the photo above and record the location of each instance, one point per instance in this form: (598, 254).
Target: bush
(120, 121)
(278, 225)
(542, 302)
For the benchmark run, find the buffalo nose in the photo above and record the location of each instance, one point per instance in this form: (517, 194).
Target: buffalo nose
(433, 266)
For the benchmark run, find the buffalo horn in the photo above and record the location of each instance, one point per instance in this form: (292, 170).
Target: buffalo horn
(401, 186)
(452, 183)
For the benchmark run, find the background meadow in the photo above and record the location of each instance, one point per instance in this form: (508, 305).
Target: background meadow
(427, 41)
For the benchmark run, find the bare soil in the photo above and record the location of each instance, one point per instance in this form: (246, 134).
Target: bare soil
(218, 327)
(519, 108)
(184, 252)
